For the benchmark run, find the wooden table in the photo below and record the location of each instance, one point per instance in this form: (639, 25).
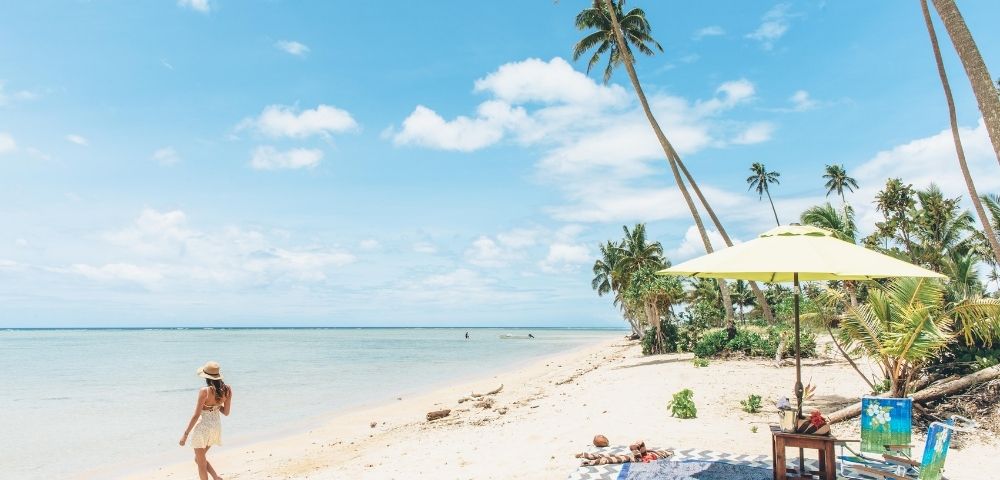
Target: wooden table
(821, 443)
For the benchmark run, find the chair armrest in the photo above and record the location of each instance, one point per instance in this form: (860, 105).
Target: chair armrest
(900, 460)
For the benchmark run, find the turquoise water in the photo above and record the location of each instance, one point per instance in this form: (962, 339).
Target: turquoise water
(76, 400)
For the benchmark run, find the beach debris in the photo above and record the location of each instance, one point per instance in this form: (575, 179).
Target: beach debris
(485, 403)
(476, 396)
(601, 441)
(373, 424)
(431, 416)
(502, 410)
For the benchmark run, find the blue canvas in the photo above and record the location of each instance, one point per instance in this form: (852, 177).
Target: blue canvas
(935, 451)
(886, 421)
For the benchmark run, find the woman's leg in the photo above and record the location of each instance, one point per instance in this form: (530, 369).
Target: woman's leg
(211, 471)
(202, 462)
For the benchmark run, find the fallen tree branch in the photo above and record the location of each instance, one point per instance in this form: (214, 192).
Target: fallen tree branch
(431, 416)
(930, 393)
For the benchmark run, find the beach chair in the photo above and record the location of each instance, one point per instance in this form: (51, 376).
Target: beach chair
(886, 425)
(896, 467)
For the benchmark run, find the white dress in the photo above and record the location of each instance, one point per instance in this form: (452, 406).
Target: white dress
(208, 430)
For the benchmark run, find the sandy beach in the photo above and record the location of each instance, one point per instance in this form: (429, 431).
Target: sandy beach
(545, 413)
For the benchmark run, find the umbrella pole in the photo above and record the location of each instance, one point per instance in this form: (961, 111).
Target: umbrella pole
(798, 351)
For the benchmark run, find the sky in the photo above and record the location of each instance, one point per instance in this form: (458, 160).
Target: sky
(268, 162)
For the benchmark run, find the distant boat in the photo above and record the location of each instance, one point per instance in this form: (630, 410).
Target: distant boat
(509, 336)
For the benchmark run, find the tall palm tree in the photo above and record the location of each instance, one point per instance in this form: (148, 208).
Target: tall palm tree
(991, 236)
(975, 68)
(614, 38)
(837, 181)
(895, 202)
(742, 297)
(637, 252)
(760, 180)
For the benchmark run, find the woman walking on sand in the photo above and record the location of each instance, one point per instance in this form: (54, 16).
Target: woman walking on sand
(205, 427)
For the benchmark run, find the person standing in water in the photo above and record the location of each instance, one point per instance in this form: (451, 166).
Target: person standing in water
(205, 427)
(466, 335)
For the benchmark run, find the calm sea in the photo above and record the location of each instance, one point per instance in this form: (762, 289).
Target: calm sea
(73, 401)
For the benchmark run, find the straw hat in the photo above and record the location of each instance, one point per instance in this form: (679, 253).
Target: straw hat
(210, 371)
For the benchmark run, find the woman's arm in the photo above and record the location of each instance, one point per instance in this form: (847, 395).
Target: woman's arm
(197, 413)
(229, 401)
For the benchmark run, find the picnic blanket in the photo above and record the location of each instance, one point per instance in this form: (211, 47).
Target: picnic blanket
(621, 472)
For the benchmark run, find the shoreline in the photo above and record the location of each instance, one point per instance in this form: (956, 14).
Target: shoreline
(407, 409)
(549, 410)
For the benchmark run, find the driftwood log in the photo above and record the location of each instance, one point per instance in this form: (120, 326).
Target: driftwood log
(932, 392)
(431, 416)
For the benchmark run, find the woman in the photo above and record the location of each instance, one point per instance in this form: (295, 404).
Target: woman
(205, 426)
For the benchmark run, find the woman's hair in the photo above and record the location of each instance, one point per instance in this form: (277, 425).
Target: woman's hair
(219, 386)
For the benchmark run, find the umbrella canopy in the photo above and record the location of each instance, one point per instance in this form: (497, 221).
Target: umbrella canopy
(812, 253)
(792, 253)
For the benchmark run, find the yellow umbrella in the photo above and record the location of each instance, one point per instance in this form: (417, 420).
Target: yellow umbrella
(792, 253)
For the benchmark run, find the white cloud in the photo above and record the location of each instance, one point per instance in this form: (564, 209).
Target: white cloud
(425, 248)
(198, 5)
(555, 81)
(486, 252)
(369, 244)
(160, 250)
(7, 144)
(18, 96)
(758, 132)
(565, 256)
(692, 245)
(283, 121)
(595, 141)
(801, 101)
(459, 288)
(924, 161)
(774, 25)
(166, 156)
(292, 47)
(709, 31)
(77, 139)
(424, 127)
(269, 158)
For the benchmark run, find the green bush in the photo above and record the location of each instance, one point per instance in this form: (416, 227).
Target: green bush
(751, 404)
(682, 405)
(752, 341)
(700, 362)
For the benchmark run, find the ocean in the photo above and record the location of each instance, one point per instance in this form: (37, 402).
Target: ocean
(76, 401)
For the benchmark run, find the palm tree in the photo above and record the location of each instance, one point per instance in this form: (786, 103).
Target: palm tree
(837, 181)
(760, 180)
(975, 68)
(895, 202)
(842, 226)
(987, 228)
(825, 216)
(940, 227)
(907, 322)
(607, 278)
(742, 297)
(614, 38)
(637, 252)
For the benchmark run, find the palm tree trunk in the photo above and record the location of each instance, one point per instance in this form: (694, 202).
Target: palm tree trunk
(848, 357)
(669, 151)
(976, 202)
(768, 192)
(975, 68)
(761, 300)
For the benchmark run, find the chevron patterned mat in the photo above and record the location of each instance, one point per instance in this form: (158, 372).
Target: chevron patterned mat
(614, 472)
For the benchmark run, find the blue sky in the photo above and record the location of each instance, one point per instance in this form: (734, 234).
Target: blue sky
(222, 162)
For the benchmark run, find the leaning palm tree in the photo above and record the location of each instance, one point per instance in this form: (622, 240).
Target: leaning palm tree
(838, 181)
(759, 180)
(615, 39)
(607, 278)
(842, 226)
(991, 236)
(975, 68)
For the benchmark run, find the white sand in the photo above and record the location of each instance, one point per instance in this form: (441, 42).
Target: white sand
(553, 410)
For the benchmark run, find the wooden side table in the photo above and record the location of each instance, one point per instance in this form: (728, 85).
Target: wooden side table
(821, 443)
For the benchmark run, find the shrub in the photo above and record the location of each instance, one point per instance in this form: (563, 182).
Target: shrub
(700, 362)
(682, 405)
(711, 343)
(751, 404)
(670, 334)
(752, 341)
